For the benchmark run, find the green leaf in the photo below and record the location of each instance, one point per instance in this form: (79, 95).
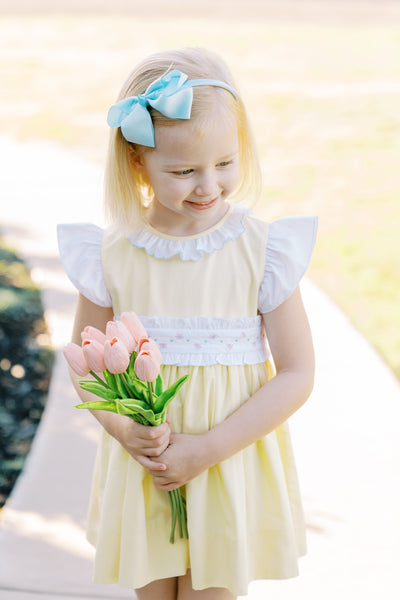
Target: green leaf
(110, 379)
(122, 389)
(97, 389)
(131, 367)
(169, 394)
(159, 385)
(132, 408)
(139, 419)
(137, 389)
(142, 403)
(122, 408)
(98, 405)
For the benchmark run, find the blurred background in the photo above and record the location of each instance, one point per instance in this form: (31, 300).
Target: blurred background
(322, 84)
(321, 80)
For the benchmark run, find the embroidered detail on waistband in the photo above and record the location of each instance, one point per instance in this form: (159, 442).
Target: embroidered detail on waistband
(204, 341)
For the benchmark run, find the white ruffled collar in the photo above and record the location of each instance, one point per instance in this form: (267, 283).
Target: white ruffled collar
(161, 245)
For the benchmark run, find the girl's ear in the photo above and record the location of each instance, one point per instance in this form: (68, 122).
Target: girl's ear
(137, 161)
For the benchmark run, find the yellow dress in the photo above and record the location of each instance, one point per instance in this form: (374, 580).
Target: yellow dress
(200, 297)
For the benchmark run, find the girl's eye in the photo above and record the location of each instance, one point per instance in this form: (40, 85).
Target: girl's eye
(184, 172)
(225, 163)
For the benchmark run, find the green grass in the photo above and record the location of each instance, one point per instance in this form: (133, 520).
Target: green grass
(324, 103)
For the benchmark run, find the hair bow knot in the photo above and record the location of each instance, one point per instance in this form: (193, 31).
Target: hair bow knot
(171, 95)
(167, 95)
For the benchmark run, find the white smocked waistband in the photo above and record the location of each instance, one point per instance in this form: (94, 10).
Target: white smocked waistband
(204, 341)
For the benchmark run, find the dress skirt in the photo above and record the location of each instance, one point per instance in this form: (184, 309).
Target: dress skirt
(245, 518)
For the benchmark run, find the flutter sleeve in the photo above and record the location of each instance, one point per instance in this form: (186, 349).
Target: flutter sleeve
(80, 251)
(290, 244)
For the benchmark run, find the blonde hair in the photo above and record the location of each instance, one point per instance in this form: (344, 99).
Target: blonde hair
(126, 191)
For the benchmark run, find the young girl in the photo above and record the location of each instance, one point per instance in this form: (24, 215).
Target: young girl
(211, 284)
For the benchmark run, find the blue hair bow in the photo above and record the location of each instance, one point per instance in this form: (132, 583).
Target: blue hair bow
(171, 95)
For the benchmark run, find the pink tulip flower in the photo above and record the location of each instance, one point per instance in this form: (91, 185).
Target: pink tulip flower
(91, 333)
(119, 330)
(93, 352)
(134, 325)
(76, 359)
(149, 345)
(147, 368)
(116, 356)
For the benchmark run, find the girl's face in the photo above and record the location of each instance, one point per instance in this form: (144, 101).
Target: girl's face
(192, 171)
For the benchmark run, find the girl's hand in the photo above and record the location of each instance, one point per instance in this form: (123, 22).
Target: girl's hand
(184, 459)
(144, 443)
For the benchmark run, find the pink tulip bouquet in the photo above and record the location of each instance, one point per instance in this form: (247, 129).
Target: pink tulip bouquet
(131, 383)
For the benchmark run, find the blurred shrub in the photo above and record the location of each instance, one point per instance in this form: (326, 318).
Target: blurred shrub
(25, 366)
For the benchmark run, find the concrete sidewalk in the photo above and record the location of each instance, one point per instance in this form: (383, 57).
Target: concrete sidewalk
(345, 437)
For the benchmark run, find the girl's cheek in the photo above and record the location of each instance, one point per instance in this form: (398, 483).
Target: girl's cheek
(178, 187)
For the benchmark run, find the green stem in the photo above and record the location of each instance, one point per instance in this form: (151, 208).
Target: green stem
(180, 512)
(151, 398)
(99, 379)
(182, 515)
(185, 527)
(178, 515)
(122, 391)
(173, 516)
(125, 381)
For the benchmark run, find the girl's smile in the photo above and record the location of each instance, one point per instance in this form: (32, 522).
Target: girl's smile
(203, 205)
(192, 170)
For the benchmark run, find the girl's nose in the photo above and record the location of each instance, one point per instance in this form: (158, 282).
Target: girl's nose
(206, 185)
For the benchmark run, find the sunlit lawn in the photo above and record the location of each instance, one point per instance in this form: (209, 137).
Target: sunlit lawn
(324, 103)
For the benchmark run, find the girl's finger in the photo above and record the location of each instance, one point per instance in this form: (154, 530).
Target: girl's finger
(154, 450)
(152, 434)
(147, 431)
(150, 464)
(157, 443)
(167, 486)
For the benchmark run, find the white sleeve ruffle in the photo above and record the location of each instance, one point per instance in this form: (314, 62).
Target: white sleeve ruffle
(80, 251)
(289, 248)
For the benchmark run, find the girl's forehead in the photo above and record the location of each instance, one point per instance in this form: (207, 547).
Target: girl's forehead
(211, 133)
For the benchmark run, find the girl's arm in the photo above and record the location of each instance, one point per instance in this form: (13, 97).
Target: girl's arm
(140, 441)
(291, 345)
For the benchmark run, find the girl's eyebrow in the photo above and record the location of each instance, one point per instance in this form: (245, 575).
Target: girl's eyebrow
(177, 165)
(183, 162)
